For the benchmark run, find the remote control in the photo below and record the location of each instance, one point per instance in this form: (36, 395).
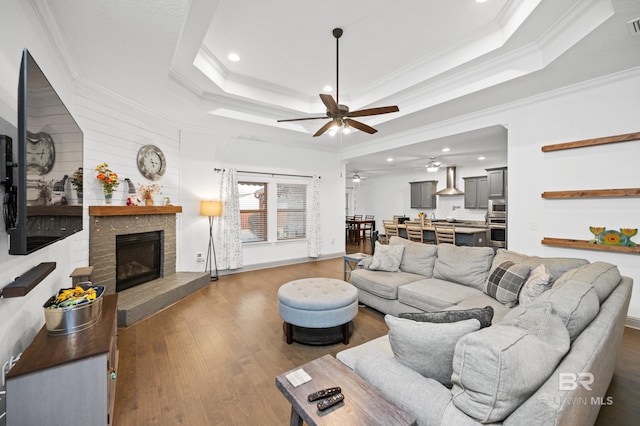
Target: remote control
(330, 402)
(324, 393)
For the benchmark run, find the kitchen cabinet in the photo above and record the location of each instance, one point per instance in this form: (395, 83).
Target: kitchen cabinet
(423, 194)
(70, 379)
(497, 182)
(476, 192)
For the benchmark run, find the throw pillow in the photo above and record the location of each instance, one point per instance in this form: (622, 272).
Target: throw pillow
(427, 347)
(538, 282)
(484, 315)
(386, 258)
(417, 258)
(498, 368)
(505, 282)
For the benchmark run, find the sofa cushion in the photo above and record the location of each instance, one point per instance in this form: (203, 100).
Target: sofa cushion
(497, 368)
(386, 258)
(380, 345)
(380, 283)
(417, 258)
(556, 266)
(538, 282)
(481, 299)
(427, 347)
(484, 315)
(432, 294)
(463, 265)
(505, 282)
(602, 275)
(575, 302)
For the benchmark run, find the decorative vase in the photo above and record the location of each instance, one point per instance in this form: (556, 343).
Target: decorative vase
(79, 197)
(148, 201)
(108, 197)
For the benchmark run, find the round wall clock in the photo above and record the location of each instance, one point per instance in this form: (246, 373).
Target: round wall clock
(151, 162)
(41, 152)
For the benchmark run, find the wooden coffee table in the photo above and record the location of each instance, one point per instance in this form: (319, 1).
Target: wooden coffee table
(362, 403)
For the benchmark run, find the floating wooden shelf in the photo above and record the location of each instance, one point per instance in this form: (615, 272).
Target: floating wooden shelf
(584, 244)
(132, 210)
(593, 193)
(592, 142)
(27, 281)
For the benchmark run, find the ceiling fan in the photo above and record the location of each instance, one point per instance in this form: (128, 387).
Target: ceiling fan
(340, 114)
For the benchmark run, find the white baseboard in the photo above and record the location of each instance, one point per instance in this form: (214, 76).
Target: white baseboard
(266, 265)
(633, 322)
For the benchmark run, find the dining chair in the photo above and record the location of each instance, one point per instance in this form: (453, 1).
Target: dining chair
(414, 233)
(445, 234)
(368, 227)
(390, 230)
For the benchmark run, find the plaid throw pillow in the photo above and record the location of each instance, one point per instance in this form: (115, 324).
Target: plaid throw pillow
(505, 282)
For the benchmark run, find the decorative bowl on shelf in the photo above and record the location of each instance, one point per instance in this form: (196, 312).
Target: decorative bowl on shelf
(613, 238)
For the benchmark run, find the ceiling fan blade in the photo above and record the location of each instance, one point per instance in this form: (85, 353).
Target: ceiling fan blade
(360, 126)
(300, 119)
(324, 128)
(330, 103)
(373, 111)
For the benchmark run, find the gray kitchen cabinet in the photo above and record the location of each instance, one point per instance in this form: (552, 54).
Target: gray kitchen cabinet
(476, 192)
(497, 181)
(423, 194)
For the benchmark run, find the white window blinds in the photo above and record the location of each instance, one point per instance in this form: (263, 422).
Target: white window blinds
(292, 211)
(253, 211)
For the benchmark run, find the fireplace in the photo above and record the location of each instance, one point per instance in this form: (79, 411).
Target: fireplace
(138, 258)
(109, 223)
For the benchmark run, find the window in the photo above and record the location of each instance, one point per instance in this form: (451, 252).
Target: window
(253, 211)
(292, 211)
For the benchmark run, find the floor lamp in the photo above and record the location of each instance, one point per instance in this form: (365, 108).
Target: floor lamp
(211, 209)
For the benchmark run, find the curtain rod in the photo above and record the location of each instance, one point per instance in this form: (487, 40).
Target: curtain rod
(267, 173)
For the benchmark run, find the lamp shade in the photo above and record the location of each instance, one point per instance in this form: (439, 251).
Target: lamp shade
(210, 208)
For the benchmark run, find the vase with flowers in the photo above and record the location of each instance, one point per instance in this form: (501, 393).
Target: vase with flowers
(109, 181)
(76, 183)
(147, 191)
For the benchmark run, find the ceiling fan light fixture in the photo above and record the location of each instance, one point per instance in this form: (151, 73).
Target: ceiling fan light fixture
(356, 177)
(340, 114)
(432, 168)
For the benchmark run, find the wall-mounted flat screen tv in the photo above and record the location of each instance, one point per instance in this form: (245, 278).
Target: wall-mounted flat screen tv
(48, 166)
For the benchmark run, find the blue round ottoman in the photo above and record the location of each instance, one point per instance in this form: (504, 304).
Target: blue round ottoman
(317, 304)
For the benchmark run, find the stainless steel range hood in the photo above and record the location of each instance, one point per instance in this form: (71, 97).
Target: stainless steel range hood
(451, 183)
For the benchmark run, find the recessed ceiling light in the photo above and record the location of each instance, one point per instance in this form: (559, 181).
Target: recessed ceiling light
(446, 149)
(234, 57)
(481, 158)
(327, 89)
(389, 159)
(480, 1)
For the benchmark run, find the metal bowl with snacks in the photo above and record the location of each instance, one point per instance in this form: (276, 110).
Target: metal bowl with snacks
(73, 309)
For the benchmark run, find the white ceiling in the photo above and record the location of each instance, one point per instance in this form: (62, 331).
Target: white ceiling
(432, 58)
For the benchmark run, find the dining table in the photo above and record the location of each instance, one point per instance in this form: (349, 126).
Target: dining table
(358, 227)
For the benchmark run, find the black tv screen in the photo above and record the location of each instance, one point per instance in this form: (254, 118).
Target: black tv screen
(48, 159)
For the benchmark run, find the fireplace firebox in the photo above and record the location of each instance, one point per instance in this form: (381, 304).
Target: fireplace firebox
(138, 258)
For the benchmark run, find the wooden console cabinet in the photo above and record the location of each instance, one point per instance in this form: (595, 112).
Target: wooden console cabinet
(64, 380)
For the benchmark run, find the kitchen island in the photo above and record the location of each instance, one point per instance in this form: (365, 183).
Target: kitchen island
(474, 236)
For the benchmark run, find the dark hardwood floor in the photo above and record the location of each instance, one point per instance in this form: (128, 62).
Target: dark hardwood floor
(212, 358)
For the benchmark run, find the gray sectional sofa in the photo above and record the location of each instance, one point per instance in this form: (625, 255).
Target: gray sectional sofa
(547, 360)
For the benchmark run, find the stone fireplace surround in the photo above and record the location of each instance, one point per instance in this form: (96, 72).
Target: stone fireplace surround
(106, 222)
(136, 303)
